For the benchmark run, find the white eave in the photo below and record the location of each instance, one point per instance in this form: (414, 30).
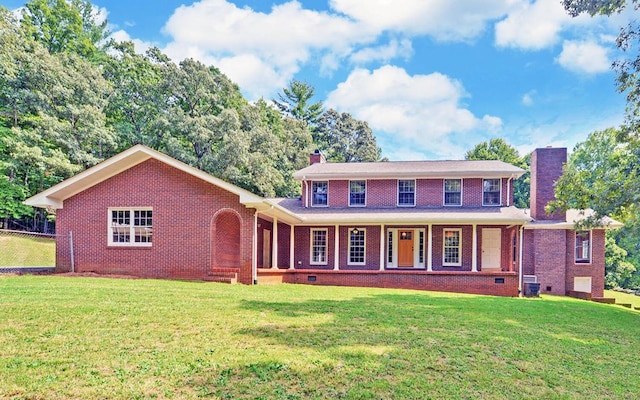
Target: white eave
(410, 170)
(54, 196)
(573, 216)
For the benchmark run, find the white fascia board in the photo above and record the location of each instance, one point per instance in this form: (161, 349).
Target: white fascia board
(380, 176)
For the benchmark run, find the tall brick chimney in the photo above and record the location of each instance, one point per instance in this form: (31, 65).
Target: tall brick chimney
(317, 157)
(546, 169)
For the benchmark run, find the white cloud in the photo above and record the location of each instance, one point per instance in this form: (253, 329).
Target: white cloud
(527, 98)
(282, 40)
(416, 112)
(445, 20)
(140, 46)
(584, 57)
(532, 25)
(395, 48)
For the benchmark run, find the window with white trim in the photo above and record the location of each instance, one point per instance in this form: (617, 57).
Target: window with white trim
(491, 192)
(452, 247)
(406, 192)
(357, 246)
(357, 193)
(453, 192)
(319, 246)
(319, 193)
(583, 247)
(130, 226)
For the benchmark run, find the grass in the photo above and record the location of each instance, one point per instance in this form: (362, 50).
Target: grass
(25, 251)
(64, 337)
(623, 297)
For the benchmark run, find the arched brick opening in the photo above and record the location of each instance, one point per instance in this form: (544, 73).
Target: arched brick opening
(226, 239)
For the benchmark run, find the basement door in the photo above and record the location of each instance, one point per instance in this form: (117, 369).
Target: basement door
(405, 248)
(491, 248)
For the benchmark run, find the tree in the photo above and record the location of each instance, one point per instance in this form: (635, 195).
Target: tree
(342, 138)
(65, 26)
(295, 102)
(140, 96)
(499, 149)
(628, 69)
(603, 174)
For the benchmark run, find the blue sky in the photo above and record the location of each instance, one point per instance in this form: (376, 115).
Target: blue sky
(431, 77)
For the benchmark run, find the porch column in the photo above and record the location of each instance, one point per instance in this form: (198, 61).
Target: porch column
(430, 247)
(474, 244)
(274, 245)
(336, 248)
(254, 249)
(291, 247)
(382, 241)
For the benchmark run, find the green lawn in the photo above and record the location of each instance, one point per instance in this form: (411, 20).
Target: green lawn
(63, 337)
(623, 297)
(23, 251)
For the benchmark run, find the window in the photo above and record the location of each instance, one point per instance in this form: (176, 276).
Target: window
(319, 193)
(356, 246)
(452, 192)
(406, 192)
(491, 192)
(583, 247)
(319, 246)
(451, 255)
(357, 193)
(130, 227)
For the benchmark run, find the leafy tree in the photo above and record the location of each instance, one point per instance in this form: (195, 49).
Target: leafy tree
(603, 174)
(342, 138)
(140, 96)
(198, 101)
(499, 149)
(294, 101)
(65, 26)
(628, 69)
(618, 271)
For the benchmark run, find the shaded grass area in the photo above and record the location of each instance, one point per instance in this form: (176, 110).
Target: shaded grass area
(106, 338)
(26, 251)
(623, 297)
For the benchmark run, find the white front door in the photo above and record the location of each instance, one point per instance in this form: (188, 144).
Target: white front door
(266, 248)
(491, 248)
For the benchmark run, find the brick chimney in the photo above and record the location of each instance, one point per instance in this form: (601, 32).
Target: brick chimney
(546, 169)
(316, 157)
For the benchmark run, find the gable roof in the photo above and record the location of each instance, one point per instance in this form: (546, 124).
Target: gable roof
(54, 196)
(410, 170)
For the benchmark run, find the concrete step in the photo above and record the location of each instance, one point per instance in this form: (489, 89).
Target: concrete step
(222, 279)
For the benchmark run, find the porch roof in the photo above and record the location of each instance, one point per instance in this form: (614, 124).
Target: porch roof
(402, 215)
(410, 170)
(573, 216)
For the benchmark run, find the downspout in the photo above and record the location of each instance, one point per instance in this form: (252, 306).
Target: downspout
(306, 194)
(509, 189)
(254, 249)
(520, 274)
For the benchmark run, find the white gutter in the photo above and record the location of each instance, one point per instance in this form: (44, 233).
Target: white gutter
(509, 189)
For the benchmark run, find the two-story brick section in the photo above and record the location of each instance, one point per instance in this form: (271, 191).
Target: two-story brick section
(431, 225)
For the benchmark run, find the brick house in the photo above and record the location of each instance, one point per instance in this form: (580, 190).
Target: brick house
(434, 225)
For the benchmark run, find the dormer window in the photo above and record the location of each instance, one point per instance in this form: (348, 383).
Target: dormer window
(357, 193)
(453, 192)
(319, 193)
(491, 192)
(406, 192)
